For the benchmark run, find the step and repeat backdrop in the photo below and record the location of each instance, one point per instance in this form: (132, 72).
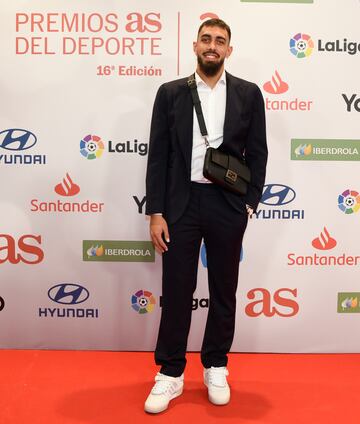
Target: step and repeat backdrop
(77, 85)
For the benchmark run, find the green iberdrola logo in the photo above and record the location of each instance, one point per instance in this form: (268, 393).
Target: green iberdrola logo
(348, 303)
(118, 251)
(325, 149)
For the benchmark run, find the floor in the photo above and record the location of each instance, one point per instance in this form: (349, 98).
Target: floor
(110, 387)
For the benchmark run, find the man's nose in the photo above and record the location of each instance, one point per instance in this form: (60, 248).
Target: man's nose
(212, 44)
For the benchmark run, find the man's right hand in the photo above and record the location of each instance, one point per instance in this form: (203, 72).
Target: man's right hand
(158, 227)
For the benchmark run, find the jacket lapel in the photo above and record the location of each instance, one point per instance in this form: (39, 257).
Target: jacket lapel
(234, 106)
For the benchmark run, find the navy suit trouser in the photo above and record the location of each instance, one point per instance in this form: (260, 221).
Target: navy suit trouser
(210, 217)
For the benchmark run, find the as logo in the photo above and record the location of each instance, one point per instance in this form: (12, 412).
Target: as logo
(67, 187)
(25, 250)
(268, 305)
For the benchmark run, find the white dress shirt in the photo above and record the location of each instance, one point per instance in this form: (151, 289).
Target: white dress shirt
(213, 103)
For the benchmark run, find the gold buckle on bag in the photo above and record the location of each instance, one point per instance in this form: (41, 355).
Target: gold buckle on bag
(231, 175)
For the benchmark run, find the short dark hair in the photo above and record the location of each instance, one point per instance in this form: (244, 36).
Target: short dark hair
(215, 22)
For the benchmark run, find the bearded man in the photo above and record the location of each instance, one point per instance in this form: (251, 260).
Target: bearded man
(185, 208)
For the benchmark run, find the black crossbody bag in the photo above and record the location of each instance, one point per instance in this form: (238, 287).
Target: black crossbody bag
(220, 168)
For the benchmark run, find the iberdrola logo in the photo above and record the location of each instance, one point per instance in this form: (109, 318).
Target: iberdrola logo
(350, 303)
(303, 150)
(95, 251)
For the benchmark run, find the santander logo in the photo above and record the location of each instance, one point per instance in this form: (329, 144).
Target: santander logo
(276, 85)
(67, 187)
(324, 241)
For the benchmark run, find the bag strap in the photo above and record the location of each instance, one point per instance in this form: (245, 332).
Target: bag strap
(198, 109)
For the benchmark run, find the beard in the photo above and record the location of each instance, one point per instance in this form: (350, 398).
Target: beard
(209, 68)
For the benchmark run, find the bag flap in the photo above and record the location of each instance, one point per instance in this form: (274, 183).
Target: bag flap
(219, 158)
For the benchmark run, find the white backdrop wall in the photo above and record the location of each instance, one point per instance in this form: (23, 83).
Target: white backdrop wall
(77, 269)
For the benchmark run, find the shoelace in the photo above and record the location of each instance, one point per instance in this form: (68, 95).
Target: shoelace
(163, 385)
(217, 376)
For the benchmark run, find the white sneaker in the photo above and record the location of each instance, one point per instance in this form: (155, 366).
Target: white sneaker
(165, 389)
(218, 388)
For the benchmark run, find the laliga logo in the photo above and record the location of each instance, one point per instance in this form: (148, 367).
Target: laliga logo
(301, 45)
(91, 147)
(67, 187)
(349, 201)
(143, 302)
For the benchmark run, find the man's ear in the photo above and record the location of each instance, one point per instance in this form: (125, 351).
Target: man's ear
(229, 51)
(194, 46)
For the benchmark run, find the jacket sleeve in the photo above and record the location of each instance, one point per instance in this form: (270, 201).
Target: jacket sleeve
(256, 152)
(158, 155)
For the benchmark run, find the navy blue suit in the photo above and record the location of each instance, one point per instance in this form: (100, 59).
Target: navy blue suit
(201, 211)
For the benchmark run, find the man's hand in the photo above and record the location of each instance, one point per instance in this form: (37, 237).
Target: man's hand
(158, 227)
(249, 211)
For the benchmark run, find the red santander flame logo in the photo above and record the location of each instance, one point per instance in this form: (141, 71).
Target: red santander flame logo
(208, 15)
(324, 241)
(67, 187)
(276, 85)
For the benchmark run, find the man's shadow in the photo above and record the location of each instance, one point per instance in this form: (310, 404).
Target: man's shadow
(126, 402)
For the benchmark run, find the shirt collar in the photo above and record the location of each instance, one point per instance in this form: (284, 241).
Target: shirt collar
(202, 83)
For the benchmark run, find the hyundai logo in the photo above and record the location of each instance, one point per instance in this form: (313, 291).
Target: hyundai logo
(68, 294)
(277, 194)
(17, 139)
(2, 303)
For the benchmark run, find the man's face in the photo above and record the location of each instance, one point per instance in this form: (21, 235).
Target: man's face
(211, 49)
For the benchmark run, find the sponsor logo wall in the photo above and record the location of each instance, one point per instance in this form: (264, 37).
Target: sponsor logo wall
(78, 90)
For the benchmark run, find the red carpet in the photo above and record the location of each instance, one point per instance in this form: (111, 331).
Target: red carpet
(110, 387)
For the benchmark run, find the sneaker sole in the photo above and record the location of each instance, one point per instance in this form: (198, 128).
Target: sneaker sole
(156, 410)
(217, 402)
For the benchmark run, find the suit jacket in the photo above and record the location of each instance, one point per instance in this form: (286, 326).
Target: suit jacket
(169, 160)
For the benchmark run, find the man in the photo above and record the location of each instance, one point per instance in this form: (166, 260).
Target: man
(185, 208)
